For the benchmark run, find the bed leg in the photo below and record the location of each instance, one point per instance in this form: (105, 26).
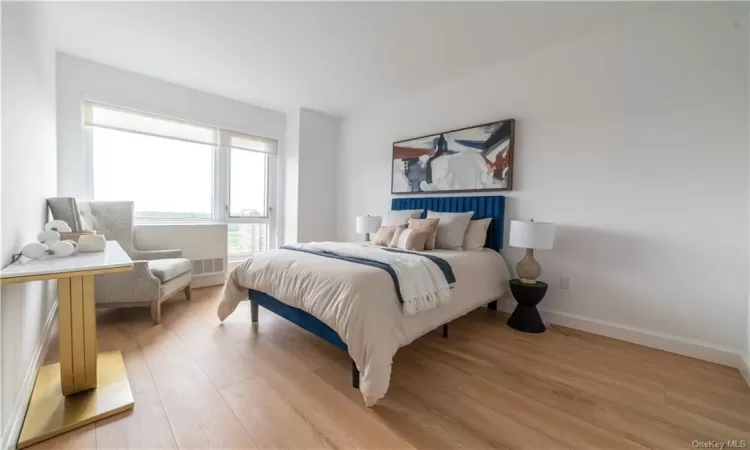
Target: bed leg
(355, 375)
(253, 312)
(445, 330)
(492, 305)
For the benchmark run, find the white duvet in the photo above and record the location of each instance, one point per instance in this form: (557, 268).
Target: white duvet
(359, 302)
(422, 284)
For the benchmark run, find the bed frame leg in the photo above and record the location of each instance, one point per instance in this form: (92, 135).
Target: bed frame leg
(445, 330)
(355, 375)
(492, 305)
(253, 312)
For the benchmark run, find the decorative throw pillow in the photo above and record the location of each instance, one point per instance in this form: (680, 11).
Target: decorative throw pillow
(401, 217)
(451, 229)
(384, 235)
(428, 226)
(396, 234)
(411, 239)
(476, 234)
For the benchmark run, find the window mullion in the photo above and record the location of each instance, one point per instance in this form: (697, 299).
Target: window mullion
(221, 187)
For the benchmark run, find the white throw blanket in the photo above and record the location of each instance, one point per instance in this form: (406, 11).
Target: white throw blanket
(422, 284)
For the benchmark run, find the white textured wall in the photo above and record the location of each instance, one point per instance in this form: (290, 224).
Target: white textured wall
(634, 141)
(28, 178)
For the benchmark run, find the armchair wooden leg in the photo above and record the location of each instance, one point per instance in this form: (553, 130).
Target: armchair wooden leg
(189, 292)
(156, 311)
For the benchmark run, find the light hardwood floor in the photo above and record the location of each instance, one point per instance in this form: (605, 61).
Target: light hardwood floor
(199, 384)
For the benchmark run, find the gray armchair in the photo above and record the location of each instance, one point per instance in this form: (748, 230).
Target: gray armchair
(156, 275)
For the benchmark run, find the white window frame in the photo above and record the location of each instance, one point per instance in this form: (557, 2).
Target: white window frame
(221, 179)
(222, 191)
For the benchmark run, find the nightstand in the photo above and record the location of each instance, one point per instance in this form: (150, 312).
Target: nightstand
(525, 317)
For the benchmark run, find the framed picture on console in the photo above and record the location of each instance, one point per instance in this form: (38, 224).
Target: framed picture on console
(473, 159)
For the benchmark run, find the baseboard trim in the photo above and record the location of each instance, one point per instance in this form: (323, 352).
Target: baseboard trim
(745, 368)
(10, 436)
(662, 341)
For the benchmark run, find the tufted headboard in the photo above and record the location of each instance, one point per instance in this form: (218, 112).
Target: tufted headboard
(483, 207)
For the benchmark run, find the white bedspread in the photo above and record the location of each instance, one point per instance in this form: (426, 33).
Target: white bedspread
(359, 302)
(422, 284)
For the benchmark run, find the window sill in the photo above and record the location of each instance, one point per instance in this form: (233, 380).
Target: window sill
(177, 222)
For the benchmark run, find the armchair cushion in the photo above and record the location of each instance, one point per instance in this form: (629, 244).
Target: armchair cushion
(166, 269)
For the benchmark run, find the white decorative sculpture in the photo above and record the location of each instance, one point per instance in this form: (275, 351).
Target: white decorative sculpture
(49, 242)
(35, 250)
(58, 225)
(48, 236)
(61, 248)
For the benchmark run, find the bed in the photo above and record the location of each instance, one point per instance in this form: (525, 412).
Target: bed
(481, 278)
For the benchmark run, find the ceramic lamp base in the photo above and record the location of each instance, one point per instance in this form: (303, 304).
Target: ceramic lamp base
(528, 269)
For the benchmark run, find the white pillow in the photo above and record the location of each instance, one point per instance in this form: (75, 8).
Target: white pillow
(451, 229)
(476, 234)
(400, 217)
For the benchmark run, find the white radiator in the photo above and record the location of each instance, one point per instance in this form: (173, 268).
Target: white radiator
(204, 244)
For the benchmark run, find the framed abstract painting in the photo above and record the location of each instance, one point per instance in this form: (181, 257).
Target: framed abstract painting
(473, 159)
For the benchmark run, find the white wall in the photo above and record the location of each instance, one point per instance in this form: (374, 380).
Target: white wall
(318, 140)
(28, 178)
(310, 171)
(634, 141)
(290, 164)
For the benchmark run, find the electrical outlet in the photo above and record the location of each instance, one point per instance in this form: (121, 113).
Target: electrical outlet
(566, 284)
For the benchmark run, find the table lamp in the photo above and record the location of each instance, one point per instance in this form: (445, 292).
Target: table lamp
(531, 235)
(367, 225)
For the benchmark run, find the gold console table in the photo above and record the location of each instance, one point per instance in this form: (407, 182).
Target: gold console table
(85, 386)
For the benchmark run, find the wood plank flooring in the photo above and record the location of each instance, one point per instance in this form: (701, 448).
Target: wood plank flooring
(198, 384)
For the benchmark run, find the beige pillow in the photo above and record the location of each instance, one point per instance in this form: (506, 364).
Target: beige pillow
(428, 226)
(412, 239)
(396, 234)
(401, 216)
(451, 229)
(384, 235)
(476, 234)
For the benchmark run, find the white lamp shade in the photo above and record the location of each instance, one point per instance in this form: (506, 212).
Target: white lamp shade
(536, 235)
(368, 224)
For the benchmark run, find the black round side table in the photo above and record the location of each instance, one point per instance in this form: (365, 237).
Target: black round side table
(526, 317)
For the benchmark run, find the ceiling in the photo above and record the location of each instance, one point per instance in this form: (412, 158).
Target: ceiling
(333, 57)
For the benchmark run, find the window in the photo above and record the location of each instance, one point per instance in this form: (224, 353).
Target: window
(166, 178)
(175, 170)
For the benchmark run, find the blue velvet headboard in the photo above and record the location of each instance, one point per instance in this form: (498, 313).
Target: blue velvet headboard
(483, 207)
